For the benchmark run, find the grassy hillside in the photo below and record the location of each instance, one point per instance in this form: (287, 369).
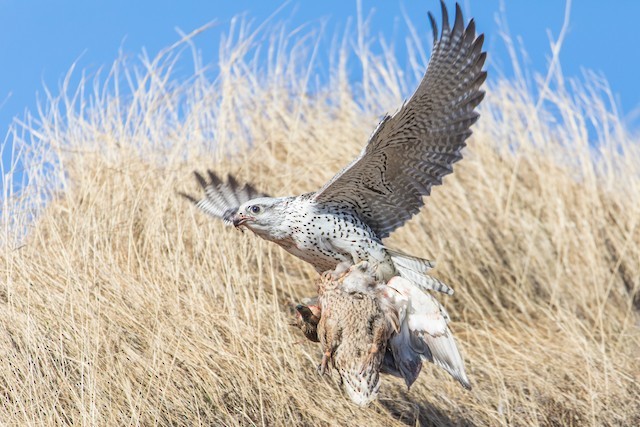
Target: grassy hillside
(120, 304)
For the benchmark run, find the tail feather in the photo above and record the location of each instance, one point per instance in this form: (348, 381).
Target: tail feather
(415, 269)
(410, 262)
(424, 282)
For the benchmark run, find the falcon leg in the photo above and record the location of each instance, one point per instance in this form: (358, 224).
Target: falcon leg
(338, 273)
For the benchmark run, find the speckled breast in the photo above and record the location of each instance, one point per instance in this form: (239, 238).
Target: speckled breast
(325, 237)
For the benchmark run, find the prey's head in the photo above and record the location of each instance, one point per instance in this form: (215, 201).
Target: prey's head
(263, 216)
(307, 319)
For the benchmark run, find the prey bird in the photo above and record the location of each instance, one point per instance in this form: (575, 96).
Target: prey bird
(366, 327)
(356, 321)
(407, 154)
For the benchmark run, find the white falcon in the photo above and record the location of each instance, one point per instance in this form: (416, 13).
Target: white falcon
(383, 187)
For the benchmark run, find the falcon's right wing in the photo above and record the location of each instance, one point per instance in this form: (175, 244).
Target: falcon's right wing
(222, 199)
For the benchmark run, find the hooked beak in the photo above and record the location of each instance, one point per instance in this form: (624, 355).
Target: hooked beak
(239, 220)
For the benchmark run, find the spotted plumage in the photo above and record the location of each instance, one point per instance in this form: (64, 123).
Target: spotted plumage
(380, 190)
(407, 154)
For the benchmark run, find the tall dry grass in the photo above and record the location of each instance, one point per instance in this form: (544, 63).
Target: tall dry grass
(120, 304)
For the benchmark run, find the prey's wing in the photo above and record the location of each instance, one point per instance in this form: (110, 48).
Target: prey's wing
(222, 199)
(412, 150)
(424, 333)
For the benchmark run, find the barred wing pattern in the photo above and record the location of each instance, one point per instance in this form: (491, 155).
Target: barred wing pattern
(222, 199)
(414, 149)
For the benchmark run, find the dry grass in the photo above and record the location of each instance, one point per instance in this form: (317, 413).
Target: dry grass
(120, 304)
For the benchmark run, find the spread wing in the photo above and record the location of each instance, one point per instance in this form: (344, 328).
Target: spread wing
(222, 199)
(412, 150)
(424, 334)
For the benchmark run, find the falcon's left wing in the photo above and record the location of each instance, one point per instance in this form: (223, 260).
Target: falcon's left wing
(411, 151)
(222, 199)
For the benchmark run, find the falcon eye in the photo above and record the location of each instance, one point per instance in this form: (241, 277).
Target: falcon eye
(255, 209)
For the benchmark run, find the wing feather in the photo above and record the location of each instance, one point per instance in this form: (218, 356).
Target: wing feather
(411, 151)
(222, 199)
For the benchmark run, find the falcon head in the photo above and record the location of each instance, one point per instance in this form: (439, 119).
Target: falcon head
(263, 216)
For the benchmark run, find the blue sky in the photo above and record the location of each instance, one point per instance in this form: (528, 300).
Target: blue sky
(41, 39)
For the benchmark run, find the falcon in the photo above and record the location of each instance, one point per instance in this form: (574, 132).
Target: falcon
(408, 153)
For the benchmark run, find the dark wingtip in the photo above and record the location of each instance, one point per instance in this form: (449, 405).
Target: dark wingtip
(188, 197)
(471, 28)
(252, 190)
(445, 17)
(231, 180)
(215, 181)
(200, 178)
(434, 27)
(481, 59)
(458, 27)
(465, 383)
(480, 79)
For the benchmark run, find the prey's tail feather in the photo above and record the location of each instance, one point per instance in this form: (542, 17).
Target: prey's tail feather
(415, 269)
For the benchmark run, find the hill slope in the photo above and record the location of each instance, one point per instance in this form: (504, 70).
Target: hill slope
(123, 305)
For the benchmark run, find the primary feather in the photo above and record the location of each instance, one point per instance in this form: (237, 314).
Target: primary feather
(415, 148)
(222, 199)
